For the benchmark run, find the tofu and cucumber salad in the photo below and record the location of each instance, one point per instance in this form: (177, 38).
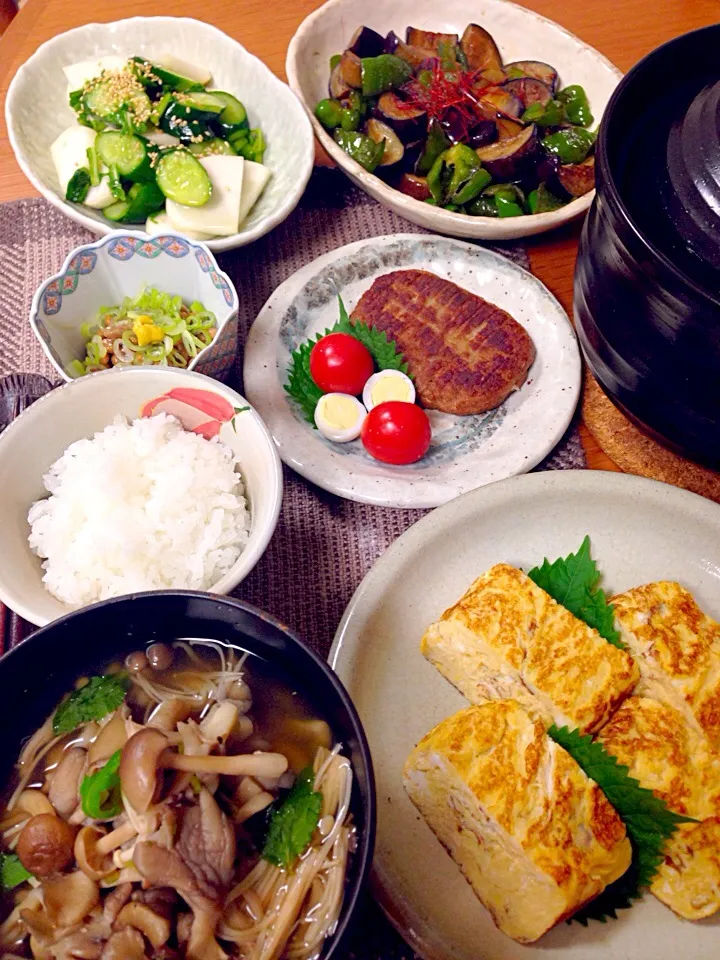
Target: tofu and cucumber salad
(154, 145)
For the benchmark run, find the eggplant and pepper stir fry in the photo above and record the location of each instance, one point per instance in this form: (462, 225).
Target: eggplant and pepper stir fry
(444, 120)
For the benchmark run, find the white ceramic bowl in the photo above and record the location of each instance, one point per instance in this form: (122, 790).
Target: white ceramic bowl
(79, 409)
(520, 34)
(103, 273)
(36, 110)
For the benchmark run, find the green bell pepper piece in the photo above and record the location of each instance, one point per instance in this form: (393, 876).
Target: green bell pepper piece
(457, 176)
(550, 114)
(543, 201)
(435, 144)
(571, 145)
(482, 207)
(360, 147)
(335, 60)
(329, 113)
(350, 119)
(507, 208)
(100, 796)
(577, 106)
(472, 187)
(385, 72)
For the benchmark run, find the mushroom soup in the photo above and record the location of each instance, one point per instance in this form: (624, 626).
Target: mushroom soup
(187, 803)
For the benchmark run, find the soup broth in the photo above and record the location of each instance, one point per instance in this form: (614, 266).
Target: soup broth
(188, 802)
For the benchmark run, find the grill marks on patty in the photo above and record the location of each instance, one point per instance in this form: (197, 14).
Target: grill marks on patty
(466, 355)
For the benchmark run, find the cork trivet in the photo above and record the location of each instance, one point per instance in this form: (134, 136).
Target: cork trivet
(635, 452)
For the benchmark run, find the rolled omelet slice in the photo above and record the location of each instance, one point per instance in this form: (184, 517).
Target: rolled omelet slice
(677, 648)
(668, 756)
(533, 835)
(507, 638)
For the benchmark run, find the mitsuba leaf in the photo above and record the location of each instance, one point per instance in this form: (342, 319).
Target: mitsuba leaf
(648, 821)
(572, 581)
(12, 872)
(100, 696)
(293, 823)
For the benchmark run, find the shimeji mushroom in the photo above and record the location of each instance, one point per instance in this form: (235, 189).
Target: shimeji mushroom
(45, 845)
(146, 753)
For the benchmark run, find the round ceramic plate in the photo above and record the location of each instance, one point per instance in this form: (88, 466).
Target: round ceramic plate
(640, 531)
(466, 452)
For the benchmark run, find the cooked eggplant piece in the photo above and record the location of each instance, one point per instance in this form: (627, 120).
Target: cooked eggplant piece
(529, 90)
(485, 132)
(546, 167)
(535, 69)
(351, 69)
(502, 102)
(510, 159)
(415, 56)
(394, 149)
(493, 76)
(508, 128)
(454, 125)
(480, 49)
(409, 122)
(414, 186)
(337, 87)
(366, 43)
(577, 178)
(428, 40)
(391, 42)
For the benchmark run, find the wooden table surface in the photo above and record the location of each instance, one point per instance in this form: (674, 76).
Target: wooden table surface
(623, 30)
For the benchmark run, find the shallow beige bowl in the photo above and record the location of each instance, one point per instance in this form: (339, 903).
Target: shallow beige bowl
(79, 409)
(37, 111)
(520, 34)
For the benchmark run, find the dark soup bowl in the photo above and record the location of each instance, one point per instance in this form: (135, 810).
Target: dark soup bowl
(647, 278)
(286, 700)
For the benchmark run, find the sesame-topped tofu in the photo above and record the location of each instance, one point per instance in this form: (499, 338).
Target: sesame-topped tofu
(677, 648)
(507, 638)
(533, 835)
(667, 755)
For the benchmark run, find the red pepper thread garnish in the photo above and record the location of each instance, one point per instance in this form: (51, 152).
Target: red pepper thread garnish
(457, 91)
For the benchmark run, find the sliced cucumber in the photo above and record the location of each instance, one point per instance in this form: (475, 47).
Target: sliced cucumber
(153, 75)
(105, 100)
(127, 153)
(234, 115)
(188, 125)
(182, 178)
(116, 211)
(144, 199)
(202, 104)
(212, 147)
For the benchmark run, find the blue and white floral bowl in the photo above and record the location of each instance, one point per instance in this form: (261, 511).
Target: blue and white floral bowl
(103, 273)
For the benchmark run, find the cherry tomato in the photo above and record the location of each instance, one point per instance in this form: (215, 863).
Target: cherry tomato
(341, 364)
(396, 432)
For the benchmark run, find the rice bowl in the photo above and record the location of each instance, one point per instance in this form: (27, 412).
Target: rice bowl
(189, 517)
(77, 411)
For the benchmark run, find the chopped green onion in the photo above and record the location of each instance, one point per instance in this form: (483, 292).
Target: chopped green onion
(93, 166)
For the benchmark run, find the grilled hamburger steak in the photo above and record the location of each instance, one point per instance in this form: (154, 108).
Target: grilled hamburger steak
(465, 354)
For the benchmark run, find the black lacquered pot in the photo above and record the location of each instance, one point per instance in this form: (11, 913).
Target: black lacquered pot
(647, 278)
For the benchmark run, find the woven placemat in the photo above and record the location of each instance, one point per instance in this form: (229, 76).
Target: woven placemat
(323, 545)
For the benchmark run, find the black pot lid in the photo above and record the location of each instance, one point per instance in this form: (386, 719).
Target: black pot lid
(693, 166)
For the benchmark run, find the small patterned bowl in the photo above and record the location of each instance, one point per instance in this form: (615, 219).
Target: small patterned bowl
(37, 111)
(104, 272)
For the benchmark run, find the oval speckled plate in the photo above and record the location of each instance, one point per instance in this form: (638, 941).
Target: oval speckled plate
(466, 452)
(640, 531)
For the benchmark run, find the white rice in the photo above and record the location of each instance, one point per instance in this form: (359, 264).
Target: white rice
(141, 506)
